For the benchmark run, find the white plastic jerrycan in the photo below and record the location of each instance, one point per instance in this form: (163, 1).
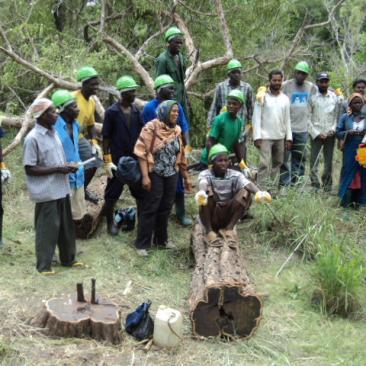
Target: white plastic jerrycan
(168, 327)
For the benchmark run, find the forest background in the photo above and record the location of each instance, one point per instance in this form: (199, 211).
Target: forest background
(314, 311)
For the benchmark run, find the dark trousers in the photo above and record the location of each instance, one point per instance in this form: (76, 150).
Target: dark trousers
(155, 209)
(328, 149)
(54, 226)
(114, 189)
(294, 163)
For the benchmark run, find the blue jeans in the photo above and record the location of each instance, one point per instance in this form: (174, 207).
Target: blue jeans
(294, 161)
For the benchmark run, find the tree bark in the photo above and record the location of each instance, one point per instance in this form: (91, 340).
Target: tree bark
(222, 299)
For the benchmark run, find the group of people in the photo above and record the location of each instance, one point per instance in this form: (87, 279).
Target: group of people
(147, 151)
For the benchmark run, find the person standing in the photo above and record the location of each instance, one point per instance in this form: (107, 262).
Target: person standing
(299, 91)
(272, 131)
(351, 130)
(161, 155)
(171, 62)
(68, 131)
(88, 143)
(48, 186)
(324, 110)
(5, 177)
(358, 86)
(165, 90)
(121, 129)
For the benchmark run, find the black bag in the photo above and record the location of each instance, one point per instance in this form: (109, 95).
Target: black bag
(139, 323)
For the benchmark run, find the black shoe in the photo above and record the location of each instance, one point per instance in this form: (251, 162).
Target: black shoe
(91, 197)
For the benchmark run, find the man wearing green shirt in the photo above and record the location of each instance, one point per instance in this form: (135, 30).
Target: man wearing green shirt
(226, 128)
(171, 62)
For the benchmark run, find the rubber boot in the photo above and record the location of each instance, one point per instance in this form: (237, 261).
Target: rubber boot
(180, 210)
(108, 211)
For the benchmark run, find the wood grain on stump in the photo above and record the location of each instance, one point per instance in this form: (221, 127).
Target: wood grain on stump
(222, 300)
(85, 228)
(69, 317)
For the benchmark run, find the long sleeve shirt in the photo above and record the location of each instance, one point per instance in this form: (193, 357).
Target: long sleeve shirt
(325, 112)
(220, 98)
(271, 121)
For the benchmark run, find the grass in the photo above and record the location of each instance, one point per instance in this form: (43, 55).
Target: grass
(292, 331)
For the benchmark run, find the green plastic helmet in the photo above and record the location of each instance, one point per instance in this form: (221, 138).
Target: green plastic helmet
(86, 73)
(172, 33)
(216, 150)
(163, 80)
(125, 83)
(62, 98)
(233, 64)
(303, 66)
(237, 94)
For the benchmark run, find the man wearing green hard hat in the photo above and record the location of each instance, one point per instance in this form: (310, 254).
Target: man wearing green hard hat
(298, 91)
(121, 128)
(234, 81)
(227, 128)
(68, 130)
(171, 62)
(165, 90)
(88, 143)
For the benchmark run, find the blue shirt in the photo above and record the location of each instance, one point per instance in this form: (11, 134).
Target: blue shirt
(121, 133)
(150, 109)
(71, 148)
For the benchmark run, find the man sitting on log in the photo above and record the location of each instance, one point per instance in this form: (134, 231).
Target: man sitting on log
(224, 196)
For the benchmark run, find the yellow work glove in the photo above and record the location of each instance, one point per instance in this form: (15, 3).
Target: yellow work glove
(201, 198)
(5, 173)
(109, 166)
(96, 149)
(243, 165)
(361, 155)
(262, 197)
(261, 92)
(339, 92)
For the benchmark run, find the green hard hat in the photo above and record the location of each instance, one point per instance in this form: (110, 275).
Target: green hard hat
(125, 83)
(233, 64)
(303, 66)
(86, 73)
(216, 150)
(61, 98)
(163, 80)
(236, 94)
(172, 33)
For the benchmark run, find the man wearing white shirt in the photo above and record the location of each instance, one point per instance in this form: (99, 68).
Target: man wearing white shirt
(325, 109)
(272, 131)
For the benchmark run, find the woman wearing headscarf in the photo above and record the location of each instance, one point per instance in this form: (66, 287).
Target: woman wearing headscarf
(350, 131)
(160, 152)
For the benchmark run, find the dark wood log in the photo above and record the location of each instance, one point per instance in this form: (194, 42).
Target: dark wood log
(222, 299)
(80, 292)
(68, 317)
(86, 227)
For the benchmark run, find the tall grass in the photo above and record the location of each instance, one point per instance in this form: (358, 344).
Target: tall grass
(339, 280)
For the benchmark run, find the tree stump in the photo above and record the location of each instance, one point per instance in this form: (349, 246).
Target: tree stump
(222, 299)
(85, 228)
(75, 317)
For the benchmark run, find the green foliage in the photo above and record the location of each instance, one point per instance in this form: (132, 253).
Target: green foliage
(339, 279)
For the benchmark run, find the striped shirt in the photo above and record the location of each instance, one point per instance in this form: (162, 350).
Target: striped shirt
(224, 188)
(42, 147)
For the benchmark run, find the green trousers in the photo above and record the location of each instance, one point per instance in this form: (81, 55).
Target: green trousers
(54, 226)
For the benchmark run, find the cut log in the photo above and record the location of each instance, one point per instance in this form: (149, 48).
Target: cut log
(89, 224)
(81, 319)
(222, 299)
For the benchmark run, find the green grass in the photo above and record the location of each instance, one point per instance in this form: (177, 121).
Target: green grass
(292, 331)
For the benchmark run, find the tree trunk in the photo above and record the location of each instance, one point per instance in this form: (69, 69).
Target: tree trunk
(81, 319)
(222, 300)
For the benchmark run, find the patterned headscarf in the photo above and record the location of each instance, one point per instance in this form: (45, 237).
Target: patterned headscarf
(353, 96)
(164, 110)
(39, 106)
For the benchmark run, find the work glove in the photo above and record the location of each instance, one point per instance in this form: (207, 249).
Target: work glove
(361, 155)
(261, 92)
(187, 151)
(262, 197)
(245, 169)
(109, 166)
(96, 149)
(5, 173)
(339, 92)
(201, 198)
